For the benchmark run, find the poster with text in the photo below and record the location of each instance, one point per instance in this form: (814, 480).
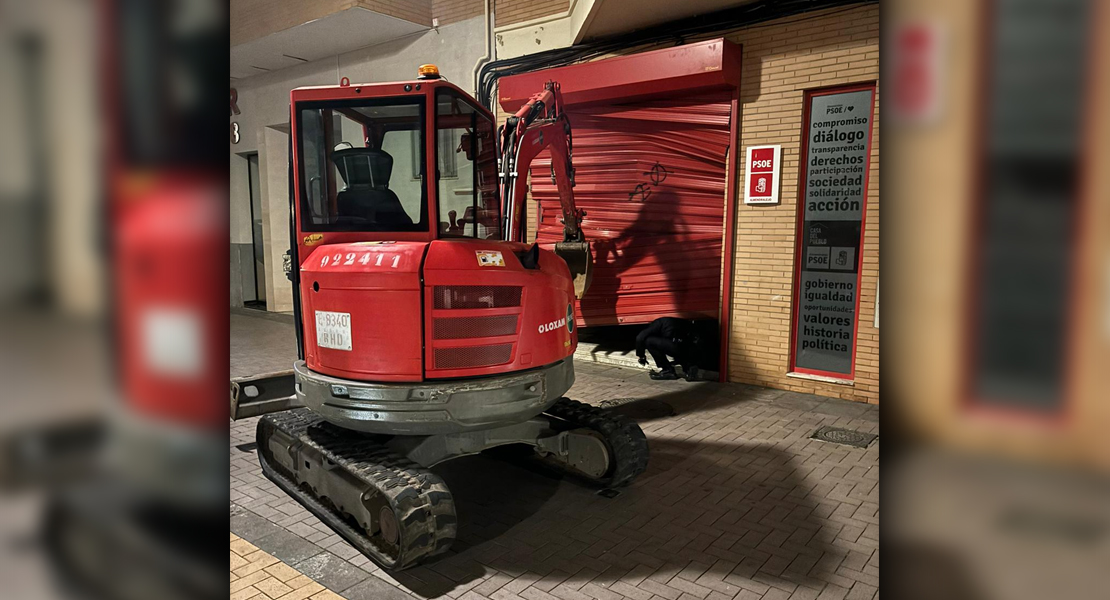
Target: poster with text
(835, 188)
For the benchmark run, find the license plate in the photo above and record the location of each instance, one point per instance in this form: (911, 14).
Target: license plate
(333, 330)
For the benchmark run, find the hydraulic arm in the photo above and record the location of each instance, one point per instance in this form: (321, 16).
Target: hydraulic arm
(541, 123)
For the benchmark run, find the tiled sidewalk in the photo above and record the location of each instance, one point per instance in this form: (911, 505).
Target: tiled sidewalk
(738, 503)
(260, 576)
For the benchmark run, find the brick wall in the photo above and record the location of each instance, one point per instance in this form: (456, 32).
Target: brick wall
(780, 62)
(508, 12)
(453, 11)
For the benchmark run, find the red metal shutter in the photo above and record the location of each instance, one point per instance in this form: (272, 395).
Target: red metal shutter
(651, 177)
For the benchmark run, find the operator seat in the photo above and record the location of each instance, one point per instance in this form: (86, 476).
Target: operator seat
(367, 199)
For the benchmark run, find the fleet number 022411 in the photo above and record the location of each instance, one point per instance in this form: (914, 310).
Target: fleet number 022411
(350, 258)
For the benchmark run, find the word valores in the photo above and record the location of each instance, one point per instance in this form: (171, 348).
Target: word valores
(822, 319)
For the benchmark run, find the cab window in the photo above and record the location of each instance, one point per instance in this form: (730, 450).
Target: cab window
(466, 169)
(362, 166)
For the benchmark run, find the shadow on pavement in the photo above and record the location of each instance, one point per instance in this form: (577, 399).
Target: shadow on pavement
(726, 514)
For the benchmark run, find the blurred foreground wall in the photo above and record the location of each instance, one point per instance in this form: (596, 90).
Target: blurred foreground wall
(1002, 285)
(50, 184)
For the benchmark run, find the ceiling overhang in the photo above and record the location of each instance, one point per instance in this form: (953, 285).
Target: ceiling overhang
(331, 35)
(614, 17)
(585, 20)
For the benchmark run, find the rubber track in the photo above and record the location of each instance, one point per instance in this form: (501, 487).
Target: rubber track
(423, 505)
(627, 443)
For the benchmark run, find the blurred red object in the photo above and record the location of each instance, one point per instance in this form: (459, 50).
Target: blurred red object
(915, 73)
(171, 319)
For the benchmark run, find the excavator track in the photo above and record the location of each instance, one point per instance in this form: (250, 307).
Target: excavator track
(389, 508)
(625, 441)
(393, 510)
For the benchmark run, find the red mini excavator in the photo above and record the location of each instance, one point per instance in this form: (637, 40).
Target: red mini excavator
(427, 329)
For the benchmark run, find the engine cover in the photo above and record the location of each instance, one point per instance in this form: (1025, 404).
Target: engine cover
(476, 310)
(361, 309)
(487, 314)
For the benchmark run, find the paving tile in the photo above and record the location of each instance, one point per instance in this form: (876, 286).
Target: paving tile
(326, 595)
(257, 561)
(288, 547)
(241, 547)
(237, 561)
(331, 571)
(373, 588)
(309, 589)
(250, 526)
(284, 572)
(246, 594)
(248, 580)
(862, 591)
(273, 588)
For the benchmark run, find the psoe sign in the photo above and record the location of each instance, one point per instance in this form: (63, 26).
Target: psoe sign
(762, 174)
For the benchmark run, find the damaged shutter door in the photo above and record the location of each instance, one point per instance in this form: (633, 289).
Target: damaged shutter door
(651, 177)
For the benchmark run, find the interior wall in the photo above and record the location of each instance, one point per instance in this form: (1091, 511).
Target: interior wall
(240, 227)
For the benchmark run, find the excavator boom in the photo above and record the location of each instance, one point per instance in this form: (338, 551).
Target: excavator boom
(539, 124)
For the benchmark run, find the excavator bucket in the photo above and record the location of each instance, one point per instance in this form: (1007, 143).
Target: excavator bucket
(578, 258)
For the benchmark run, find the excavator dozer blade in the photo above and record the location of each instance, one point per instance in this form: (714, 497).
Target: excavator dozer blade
(580, 261)
(263, 394)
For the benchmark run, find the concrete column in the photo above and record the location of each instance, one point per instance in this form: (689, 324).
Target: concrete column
(70, 78)
(273, 164)
(240, 226)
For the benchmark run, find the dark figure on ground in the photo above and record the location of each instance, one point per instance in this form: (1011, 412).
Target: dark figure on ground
(665, 337)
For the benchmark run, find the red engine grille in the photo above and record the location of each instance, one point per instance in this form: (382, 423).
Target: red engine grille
(454, 328)
(476, 296)
(473, 356)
